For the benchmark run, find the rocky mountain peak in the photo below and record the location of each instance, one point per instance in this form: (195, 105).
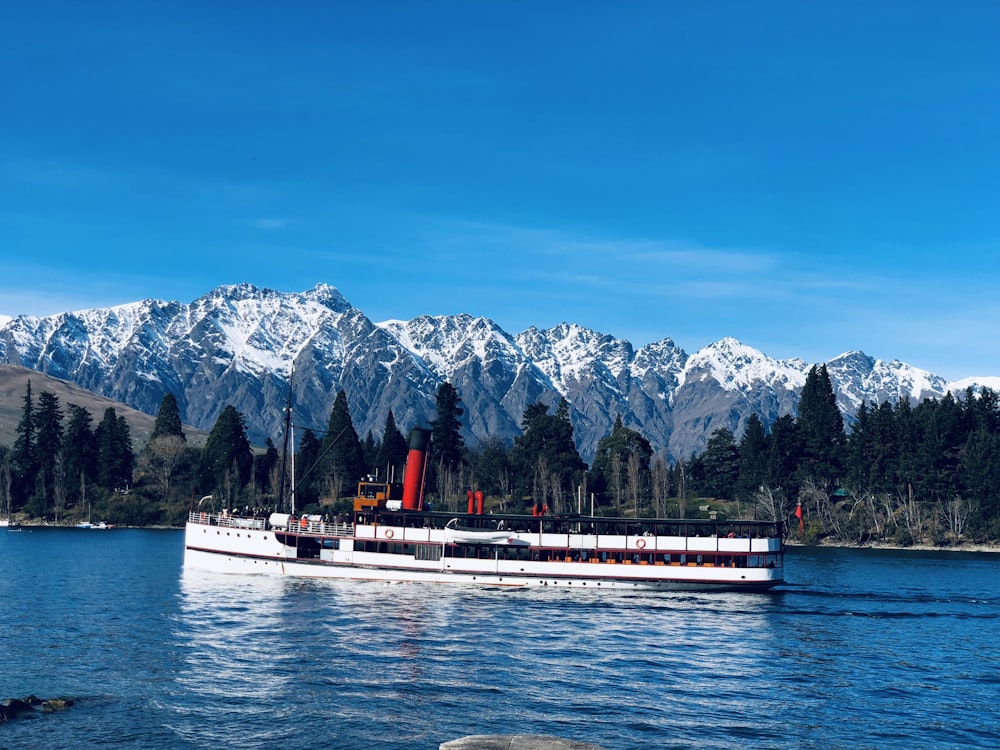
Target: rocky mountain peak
(239, 344)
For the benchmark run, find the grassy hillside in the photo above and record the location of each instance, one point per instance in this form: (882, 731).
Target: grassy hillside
(14, 381)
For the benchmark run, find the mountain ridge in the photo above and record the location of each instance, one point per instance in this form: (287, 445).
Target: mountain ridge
(237, 344)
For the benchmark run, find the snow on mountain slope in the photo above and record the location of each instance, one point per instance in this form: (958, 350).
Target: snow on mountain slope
(446, 342)
(858, 377)
(238, 344)
(738, 367)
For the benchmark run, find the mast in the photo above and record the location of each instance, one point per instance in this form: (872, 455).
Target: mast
(284, 450)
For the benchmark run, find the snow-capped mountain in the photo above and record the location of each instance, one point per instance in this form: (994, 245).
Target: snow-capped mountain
(238, 345)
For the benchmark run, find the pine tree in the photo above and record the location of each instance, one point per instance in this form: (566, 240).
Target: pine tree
(491, 471)
(545, 459)
(447, 445)
(79, 454)
(227, 459)
(720, 462)
(783, 456)
(48, 443)
(369, 451)
(609, 473)
(344, 462)
(307, 471)
(752, 458)
(24, 460)
(822, 428)
(264, 465)
(168, 419)
(860, 450)
(115, 459)
(391, 457)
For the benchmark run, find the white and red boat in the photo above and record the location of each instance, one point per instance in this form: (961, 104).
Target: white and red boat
(393, 537)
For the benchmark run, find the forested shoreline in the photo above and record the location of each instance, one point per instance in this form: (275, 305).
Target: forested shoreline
(900, 475)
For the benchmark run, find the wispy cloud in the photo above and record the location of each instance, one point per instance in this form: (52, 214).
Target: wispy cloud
(270, 224)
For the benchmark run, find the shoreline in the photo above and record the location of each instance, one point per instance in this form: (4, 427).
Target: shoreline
(967, 547)
(991, 547)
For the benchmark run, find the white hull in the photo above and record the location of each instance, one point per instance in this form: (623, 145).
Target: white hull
(234, 548)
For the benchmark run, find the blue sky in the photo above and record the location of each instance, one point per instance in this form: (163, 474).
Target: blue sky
(809, 178)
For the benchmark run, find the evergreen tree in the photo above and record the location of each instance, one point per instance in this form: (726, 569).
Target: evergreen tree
(79, 454)
(307, 471)
(392, 452)
(491, 471)
(369, 451)
(115, 459)
(344, 463)
(168, 419)
(720, 463)
(860, 450)
(822, 428)
(48, 443)
(227, 461)
(545, 459)
(24, 459)
(264, 465)
(447, 445)
(783, 456)
(752, 458)
(907, 437)
(609, 473)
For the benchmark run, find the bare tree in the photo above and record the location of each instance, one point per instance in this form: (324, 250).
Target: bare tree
(661, 484)
(616, 477)
(59, 485)
(912, 514)
(634, 478)
(6, 481)
(770, 505)
(540, 480)
(815, 494)
(164, 455)
(955, 514)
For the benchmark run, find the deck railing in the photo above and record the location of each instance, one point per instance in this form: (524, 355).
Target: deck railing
(319, 528)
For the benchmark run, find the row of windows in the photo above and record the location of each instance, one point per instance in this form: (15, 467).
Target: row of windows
(487, 552)
(588, 526)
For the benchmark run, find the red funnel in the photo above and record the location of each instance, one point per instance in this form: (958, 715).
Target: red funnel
(413, 480)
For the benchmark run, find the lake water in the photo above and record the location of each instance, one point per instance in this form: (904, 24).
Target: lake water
(864, 649)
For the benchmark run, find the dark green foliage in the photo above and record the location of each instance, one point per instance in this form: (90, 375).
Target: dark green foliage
(115, 459)
(821, 427)
(784, 455)
(447, 445)
(546, 463)
(369, 450)
(720, 463)
(924, 473)
(168, 419)
(226, 462)
(490, 468)
(48, 444)
(306, 470)
(24, 458)
(392, 451)
(752, 469)
(79, 454)
(343, 463)
(609, 475)
(264, 465)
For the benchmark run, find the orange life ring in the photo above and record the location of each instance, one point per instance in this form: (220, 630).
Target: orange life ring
(389, 533)
(640, 543)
